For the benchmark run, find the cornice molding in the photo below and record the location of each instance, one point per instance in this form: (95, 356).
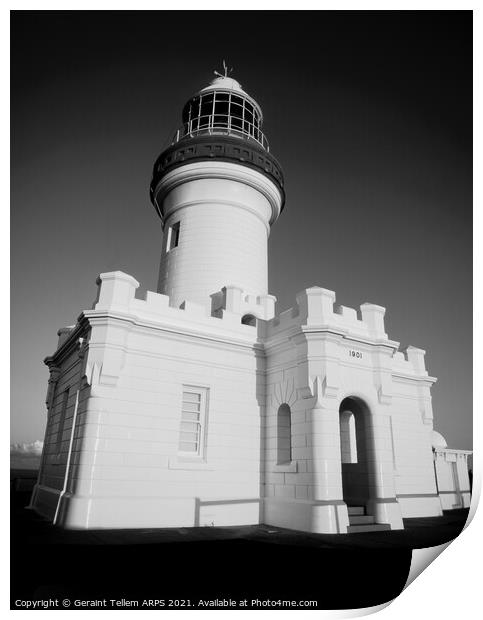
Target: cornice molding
(420, 379)
(226, 170)
(73, 341)
(174, 331)
(219, 148)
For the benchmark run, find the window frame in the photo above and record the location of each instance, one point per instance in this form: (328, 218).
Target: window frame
(203, 392)
(284, 439)
(174, 229)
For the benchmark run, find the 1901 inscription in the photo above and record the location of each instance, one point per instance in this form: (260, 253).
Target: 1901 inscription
(356, 354)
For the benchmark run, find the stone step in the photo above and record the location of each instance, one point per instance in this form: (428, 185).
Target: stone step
(376, 527)
(356, 510)
(361, 519)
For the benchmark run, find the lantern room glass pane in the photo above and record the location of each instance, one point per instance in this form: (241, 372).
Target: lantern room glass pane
(220, 120)
(206, 111)
(221, 107)
(236, 122)
(236, 110)
(208, 98)
(195, 108)
(237, 100)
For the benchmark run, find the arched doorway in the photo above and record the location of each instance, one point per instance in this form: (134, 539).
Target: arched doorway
(357, 452)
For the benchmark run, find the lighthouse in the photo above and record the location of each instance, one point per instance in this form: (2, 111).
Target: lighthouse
(200, 405)
(218, 190)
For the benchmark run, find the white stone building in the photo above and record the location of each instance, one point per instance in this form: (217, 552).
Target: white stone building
(199, 406)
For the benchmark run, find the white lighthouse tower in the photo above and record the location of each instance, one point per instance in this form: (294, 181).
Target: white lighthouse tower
(217, 190)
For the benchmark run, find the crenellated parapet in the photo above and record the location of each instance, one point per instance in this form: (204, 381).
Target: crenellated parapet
(250, 319)
(231, 307)
(234, 318)
(316, 308)
(316, 311)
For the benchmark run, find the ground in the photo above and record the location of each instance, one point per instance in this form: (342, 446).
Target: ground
(215, 563)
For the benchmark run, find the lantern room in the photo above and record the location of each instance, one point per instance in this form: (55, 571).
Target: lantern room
(222, 108)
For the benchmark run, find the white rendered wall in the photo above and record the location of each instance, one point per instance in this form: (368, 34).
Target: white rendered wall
(317, 355)
(125, 467)
(126, 471)
(58, 433)
(413, 461)
(224, 226)
(129, 473)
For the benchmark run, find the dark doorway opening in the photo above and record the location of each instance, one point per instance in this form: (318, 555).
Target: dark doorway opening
(357, 452)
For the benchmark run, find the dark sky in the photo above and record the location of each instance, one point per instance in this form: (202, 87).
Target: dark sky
(369, 114)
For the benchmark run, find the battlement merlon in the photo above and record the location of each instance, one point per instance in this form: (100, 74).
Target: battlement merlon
(373, 317)
(316, 306)
(415, 356)
(116, 289)
(64, 333)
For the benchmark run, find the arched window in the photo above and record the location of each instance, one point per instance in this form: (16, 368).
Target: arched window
(284, 435)
(348, 444)
(249, 319)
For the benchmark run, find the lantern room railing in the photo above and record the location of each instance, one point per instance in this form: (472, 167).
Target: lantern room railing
(221, 124)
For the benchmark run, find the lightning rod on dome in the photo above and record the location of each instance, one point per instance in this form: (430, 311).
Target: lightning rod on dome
(227, 71)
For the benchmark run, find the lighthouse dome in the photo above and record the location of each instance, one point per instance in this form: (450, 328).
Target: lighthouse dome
(224, 82)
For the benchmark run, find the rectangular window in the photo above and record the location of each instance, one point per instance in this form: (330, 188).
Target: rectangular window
(60, 430)
(193, 421)
(173, 237)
